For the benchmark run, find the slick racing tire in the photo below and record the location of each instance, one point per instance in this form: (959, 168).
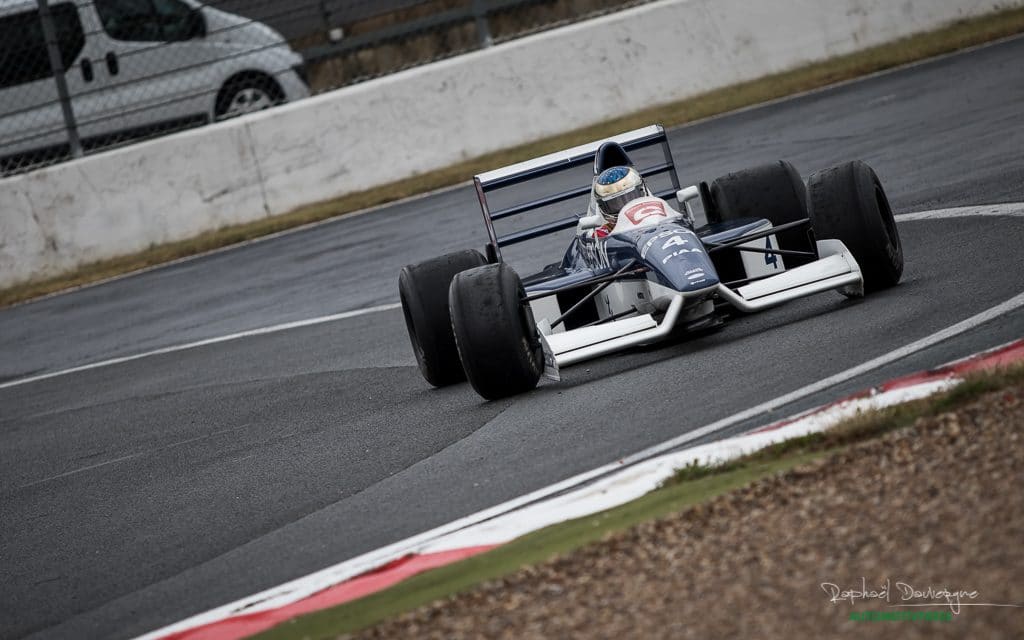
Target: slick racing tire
(849, 204)
(772, 191)
(495, 331)
(423, 289)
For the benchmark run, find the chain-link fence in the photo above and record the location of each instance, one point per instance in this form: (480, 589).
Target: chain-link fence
(80, 75)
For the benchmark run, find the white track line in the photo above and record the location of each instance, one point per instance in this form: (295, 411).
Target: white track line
(308, 585)
(202, 343)
(1012, 209)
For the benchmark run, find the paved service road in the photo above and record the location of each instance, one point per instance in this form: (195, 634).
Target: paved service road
(137, 494)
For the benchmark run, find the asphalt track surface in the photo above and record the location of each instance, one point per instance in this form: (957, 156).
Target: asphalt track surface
(137, 494)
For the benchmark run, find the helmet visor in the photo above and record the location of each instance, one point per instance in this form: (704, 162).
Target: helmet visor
(611, 205)
(616, 187)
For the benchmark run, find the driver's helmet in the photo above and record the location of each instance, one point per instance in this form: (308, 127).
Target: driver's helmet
(614, 188)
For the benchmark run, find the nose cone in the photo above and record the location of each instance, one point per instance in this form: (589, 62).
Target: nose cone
(677, 256)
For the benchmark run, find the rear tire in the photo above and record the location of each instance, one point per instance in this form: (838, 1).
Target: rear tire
(772, 191)
(423, 289)
(849, 204)
(495, 331)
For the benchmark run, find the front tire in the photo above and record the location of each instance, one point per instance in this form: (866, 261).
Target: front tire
(423, 289)
(495, 331)
(771, 191)
(247, 93)
(849, 204)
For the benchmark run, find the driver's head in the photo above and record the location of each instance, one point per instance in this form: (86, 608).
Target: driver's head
(615, 187)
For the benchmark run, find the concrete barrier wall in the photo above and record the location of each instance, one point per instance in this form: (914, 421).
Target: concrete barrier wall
(427, 118)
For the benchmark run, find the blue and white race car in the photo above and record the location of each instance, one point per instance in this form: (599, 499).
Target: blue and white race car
(642, 273)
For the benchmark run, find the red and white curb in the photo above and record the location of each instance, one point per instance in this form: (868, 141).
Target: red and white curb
(609, 488)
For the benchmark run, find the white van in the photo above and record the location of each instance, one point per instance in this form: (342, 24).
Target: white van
(133, 68)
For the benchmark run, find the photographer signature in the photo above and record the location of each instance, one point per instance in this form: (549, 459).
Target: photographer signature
(906, 594)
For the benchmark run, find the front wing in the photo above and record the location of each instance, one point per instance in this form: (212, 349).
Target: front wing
(836, 269)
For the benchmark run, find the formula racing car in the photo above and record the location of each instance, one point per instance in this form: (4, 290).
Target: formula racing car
(638, 271)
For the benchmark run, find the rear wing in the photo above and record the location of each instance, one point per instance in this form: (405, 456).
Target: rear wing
(555, 163)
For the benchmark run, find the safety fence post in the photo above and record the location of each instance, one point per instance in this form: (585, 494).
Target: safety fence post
(57, 66)
(483, 32)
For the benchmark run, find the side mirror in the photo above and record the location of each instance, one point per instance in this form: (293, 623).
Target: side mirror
(687, 194)
(196, 27)
(684, 196)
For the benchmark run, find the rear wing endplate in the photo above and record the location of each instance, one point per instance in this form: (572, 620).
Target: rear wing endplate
(557, 162)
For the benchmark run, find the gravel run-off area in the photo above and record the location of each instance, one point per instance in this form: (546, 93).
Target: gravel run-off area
(939, 504)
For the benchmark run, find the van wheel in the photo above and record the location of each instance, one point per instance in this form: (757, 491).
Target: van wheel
(247, 93)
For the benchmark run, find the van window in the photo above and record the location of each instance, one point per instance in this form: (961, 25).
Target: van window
(23, 55)
(145, 20)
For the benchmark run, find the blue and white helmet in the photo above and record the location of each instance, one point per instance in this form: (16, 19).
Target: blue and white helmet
(615, 187)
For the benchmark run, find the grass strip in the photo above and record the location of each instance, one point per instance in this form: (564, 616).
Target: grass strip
(953, 38)
(690, 486)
